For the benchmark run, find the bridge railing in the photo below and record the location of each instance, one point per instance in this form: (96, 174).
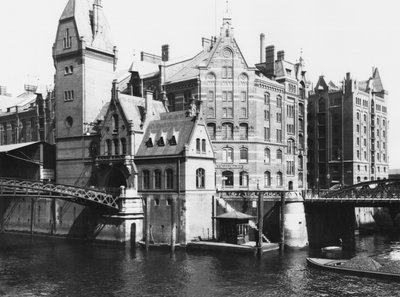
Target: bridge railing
(30, 187)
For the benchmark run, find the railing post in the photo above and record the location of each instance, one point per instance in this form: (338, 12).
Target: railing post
(260, 222)
(147, 220)
(173, 224)
(282, 222)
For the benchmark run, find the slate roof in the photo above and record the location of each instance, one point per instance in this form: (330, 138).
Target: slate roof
(80, 10)
(23, 101)
(190, 70)
(170, 124)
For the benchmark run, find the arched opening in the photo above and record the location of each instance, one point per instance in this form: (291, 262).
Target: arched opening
(115, 179)
(290, 185)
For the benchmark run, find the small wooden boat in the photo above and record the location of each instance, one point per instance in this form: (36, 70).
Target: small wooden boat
(335, 265)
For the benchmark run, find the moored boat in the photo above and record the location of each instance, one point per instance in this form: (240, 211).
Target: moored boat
(338, 266)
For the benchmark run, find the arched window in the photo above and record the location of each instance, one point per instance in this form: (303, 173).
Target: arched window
(290, 146)
(278, 101)
(157, 179)
(227, 131)
(358, 179)
(267, 156)
(300, 161)
(279, 180)
(301, 109)
(227, 155)
(266, 98)
(300, 180)
(198, 145)
(244, 155)
(279, 155)
(123, 146)
(146, 179)
(244, 131)
(169, 178)
(108, 147)
(116, 146)
(211, 130)
(227, 178)
(267, 179)
(203, 146)
(243, 179)
(114, 123)
(200, 178)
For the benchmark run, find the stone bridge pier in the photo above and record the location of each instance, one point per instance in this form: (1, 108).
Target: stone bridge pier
(132, 214)
(328, 223)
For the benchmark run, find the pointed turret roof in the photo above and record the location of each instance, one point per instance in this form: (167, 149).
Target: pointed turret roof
(82, 11)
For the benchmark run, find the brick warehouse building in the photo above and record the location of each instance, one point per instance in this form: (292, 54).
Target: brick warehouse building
(348, 132)
(255, 115)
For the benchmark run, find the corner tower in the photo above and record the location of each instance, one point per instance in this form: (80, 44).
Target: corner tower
(85, 60)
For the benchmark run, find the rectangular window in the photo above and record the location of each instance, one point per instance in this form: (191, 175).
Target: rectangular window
(230, 96)
(290, 128)
(243, 96)
(290, 111)
(210, 95)
(243, 112)
(279, 135)
(210, 112)
(229, 72)
(224, 112)
(279, 117)
(224, 96)
(230, 112)
(290, 167)
(267, 135)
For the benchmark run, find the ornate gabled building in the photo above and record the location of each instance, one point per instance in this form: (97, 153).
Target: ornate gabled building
(255, 115)
(145, 152)
(85, 61)
(347, 132)
(175, 161)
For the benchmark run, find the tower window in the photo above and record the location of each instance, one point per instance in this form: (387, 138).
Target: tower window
(67, 41)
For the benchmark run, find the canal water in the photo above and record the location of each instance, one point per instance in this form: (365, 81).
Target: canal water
(37, 266)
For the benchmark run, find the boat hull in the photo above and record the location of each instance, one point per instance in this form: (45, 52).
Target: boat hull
(334, 265)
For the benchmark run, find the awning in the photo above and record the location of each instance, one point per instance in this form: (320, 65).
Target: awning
(12, 147)
(235, 215)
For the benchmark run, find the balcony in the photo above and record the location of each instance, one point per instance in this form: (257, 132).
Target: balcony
(114, 159)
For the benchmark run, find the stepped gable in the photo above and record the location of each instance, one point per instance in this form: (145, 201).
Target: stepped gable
(175, 129)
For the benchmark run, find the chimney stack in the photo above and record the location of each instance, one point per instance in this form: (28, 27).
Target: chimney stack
(96, 7)
(281, 55)
(165, 52)
(262, 46)
(270, 61)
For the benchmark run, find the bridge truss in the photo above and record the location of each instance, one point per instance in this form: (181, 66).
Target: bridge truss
(384, 191)
(36, 189)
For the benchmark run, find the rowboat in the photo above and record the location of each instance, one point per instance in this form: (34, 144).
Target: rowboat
(336, 266)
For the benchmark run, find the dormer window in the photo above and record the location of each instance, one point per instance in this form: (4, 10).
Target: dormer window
(172, 141)
(160, 142)
(149, 142)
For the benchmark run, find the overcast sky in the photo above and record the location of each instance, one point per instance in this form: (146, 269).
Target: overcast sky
(336, 37)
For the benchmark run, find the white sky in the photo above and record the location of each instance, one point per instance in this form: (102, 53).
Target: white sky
(336, 37)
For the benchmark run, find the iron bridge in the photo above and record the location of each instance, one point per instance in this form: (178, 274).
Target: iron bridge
(377, 192)
(10, 187)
